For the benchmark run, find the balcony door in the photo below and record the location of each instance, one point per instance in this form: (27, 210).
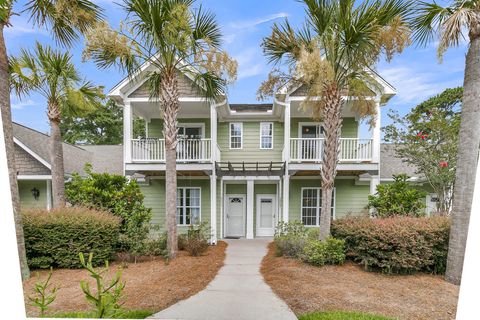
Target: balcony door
(190, 142)
(311, 146)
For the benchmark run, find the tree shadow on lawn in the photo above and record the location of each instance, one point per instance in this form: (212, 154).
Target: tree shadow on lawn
(348, 287)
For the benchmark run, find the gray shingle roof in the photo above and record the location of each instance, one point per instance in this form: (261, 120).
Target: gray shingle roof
(390, 164)
(103, 158)
(254, 107)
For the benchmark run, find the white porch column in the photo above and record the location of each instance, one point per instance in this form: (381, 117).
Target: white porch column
(127, 132)
(376, 133)
(250, 204)
(286, 158)
(213, 132)
(49, 194)
(213, 206)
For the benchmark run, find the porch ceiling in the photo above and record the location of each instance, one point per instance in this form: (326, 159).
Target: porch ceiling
(296, 110)
(188, 109)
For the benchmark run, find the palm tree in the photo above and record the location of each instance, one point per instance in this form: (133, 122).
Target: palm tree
(450, 24)
(66, 21)
(174, 38)
(332, 55)
(53, 75)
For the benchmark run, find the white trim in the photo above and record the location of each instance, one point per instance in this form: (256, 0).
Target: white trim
(154, 100)
(230, 135)
(222, 199)
(49, 194)
(213, 208)
(261, 136)
(259, 230)
(180, 177)
(34, 177)
(33, 154)
(183, 205)
(318, 208)
(317, 124)
(226, 198)
(246, 178)
(250, 206)
(200, 125)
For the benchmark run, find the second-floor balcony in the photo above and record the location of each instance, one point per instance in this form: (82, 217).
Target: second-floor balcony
(188, 150)
(311, 149)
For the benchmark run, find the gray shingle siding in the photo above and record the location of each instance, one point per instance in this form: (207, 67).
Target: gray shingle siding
(28, 165)
(186, 88)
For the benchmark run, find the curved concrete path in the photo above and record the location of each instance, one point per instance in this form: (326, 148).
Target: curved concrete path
(237, 292)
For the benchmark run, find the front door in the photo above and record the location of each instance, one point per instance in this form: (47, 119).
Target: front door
(266, 215)
(189, 142)
(235, 216)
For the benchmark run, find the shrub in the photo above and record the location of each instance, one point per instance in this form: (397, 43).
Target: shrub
(290, 239)
(156, 246)
(319, 253)
(44, 294)
(397, 198)
(196, 239)
(56, 237)
(116, 194)
(396, 244)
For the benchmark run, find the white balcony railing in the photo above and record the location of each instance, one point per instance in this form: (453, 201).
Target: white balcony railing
(310, 149)
(188, 150)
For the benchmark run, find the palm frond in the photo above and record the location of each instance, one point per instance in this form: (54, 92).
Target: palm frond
(213, 86)
(429, 18)
(67, 20)
(453, 26)
(205, 28)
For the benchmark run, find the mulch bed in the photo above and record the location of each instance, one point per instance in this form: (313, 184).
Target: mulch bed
(307, 288)
(151, 284)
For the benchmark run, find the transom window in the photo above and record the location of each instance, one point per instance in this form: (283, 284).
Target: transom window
(236, 135)
(188, 206)
(266, 135)
(312, 206)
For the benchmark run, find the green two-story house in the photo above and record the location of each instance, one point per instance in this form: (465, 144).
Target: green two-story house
(244, 167)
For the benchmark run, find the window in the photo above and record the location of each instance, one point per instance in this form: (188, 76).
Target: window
(236, 133)
(312, 206)
(188, 206)
(266, 135)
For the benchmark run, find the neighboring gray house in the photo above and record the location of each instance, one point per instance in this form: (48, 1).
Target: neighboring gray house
(32, 158)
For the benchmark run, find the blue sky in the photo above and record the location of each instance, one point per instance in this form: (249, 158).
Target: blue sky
(416, 73)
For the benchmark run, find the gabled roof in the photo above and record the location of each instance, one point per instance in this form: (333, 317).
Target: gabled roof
(391, 165)
(103, 158)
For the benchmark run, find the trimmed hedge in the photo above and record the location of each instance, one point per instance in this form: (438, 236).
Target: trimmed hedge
(55, 238)
(396, 244)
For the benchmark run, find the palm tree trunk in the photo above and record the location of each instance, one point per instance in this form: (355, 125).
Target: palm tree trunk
(9, 146)
(332, 125)
(169, 101)
(56, 156)
(467, 159)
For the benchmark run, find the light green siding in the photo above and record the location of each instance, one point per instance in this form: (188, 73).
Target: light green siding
(26, 198)
(236, 188)
(155, 199)
(350, 199)
(155, 127)
(349, 127)
(251, 143)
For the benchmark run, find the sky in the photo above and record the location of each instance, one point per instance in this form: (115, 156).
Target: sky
(416, 73)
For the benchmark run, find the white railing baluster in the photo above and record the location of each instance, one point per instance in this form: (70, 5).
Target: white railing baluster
(311, 149)
(144, 150)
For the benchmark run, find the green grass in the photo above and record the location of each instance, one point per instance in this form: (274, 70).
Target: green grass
(130, 314)
(341, 315)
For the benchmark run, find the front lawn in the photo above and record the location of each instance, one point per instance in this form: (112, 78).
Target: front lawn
(348, 287)
(153, 284)
(341, 315)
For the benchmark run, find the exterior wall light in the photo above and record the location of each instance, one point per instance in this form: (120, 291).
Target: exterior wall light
(35, 193)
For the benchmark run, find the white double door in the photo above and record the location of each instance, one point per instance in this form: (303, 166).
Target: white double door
(235, 215)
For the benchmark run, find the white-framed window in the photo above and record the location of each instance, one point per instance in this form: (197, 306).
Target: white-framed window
(266, 135)
(236, 135)
(188, 206)
(311, 206)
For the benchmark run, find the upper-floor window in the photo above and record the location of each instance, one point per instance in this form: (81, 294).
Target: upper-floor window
(312, 206)
(236, 135)
(266, 135)
(188, 206)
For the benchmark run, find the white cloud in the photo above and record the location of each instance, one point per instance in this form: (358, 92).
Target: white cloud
(247, 24)
(414, 85)
(17, 105)
(20, 26)
(250, 63)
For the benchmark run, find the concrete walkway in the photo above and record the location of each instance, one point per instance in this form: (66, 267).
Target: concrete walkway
(237, 292)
